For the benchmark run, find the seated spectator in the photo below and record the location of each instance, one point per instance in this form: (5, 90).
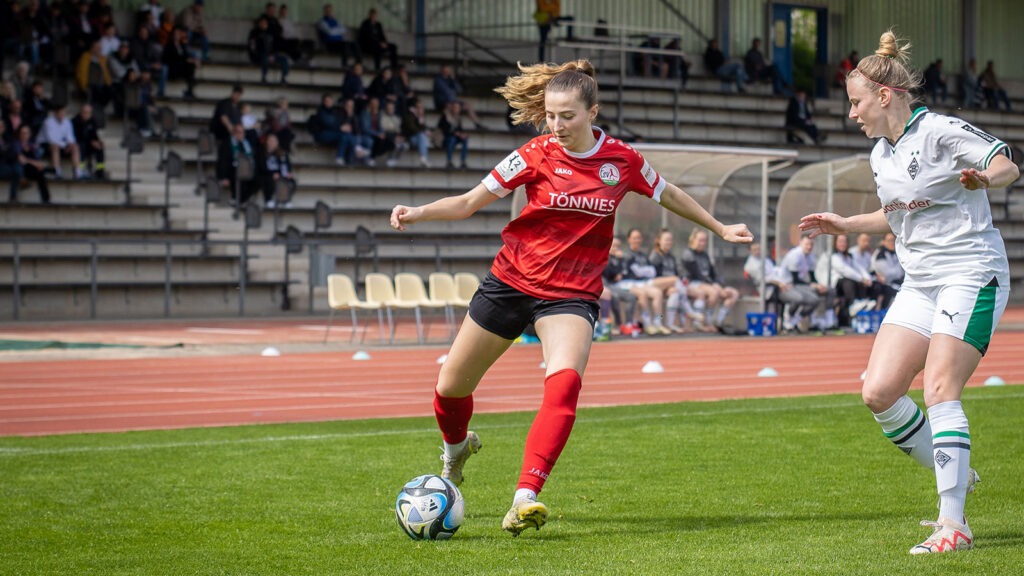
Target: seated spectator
(707, 281)
(191, 19)
(30, 158)
(678, 310)
(728, 71)
(798, 286)
(391, 126)
(334, 36)
(228, 154)
(850, 283)
(265, 50)
(35, 33)
(143, 113)
(380, 86)
(297, 49)
(35, 107)
(935, 82)
(6, 95)
(276, 166)
(92, 76)
(798, 118)
(372, 41)
(226, 114)
(165, 30)
(180, 62)
(87, 134)
(758, 69)
(59, 136)
(676, 65)
(150, 9)
(21, 79)
(279, 123)
(641, 278)
(251, 125)
(453, 134)
(991, 89)
(400, 88)
(972, 98)
(752, 268)
(356, 123)
(10, 168)
(846, 66)
(325, 127)
(273, 22)
(109, 40)
(415, 130)
(887, 270)
(353, 88)
(447, 89)
(14, 119)
(614, 298)
(148, 53)
(119, 63)
(81, 32)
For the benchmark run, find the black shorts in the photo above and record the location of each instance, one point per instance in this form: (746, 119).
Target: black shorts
(505, 311)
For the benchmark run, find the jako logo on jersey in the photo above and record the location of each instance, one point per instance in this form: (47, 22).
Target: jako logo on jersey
(512, 164)
(563, 171)
(897, 205)
(594, 205)
(609, 174)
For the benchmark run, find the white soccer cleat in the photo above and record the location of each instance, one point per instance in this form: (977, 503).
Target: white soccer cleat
(453, 466)
(949, 536)
(972, 479)
(524, 514)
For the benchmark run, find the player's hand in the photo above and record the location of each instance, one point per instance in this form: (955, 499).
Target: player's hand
(973, 179)
(738, 233)
(403, 215)
(823, 223)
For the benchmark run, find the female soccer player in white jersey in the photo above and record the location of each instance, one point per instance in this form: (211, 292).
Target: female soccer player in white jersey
(931, 172)
(549, 269)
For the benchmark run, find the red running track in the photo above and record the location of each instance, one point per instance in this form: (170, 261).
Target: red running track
(104, 395)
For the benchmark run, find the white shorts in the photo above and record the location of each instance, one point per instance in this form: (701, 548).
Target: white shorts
(964, 312)
(628, 284)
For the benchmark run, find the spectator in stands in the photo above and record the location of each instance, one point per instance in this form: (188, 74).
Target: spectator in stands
(228, 154)
(752, 268)
(798, 286)
(391, 125)
(10, 38)
(615, 297)
(935, 82)
(30, 157)
(109, 41)
(251, 125)
(35, 32)
(143, 113)
(758, 69)
(60, 35)
(265, 50)
(325, 127)
(191, 19)
(119, 63)
(678, 310)
(35, 106)
(799, 118)
(13, 118)
(548, 14)
(969, 85)
(92, 75)
(993, 92)
(10, 169)
(355, 122)
(165, 31)
(58, 135)
(21, 79)
(353, 88)
(334, 36)
(372, 40)
(101, 13)
(279, 123)
(227, 114)
(846, 65)
(81, 32)
(275, 167)
(676, 65)
(450, 125)
(372, 125)
(6, 95)
(273, 22)
(728, 71)
(415, 130)
(447, 89)
(149, 54)
(887, 269)
(180, 62)
(151, 8)
(641, 278)
(297, 49)
(850, 283)
(380, 86)
(704, 279)
(87, 134)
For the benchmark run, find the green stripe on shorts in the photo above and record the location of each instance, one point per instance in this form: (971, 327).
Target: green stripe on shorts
(979, 328)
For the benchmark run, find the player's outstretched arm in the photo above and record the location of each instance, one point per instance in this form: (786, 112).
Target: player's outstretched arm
(448, 208)
(1001, 172)
(681, 203)
(829, 223)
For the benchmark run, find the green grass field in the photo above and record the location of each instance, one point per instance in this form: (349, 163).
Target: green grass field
(779, 486)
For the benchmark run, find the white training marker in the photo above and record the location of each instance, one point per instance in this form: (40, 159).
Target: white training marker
(543, 365)
(361, 355)
(864, 375)
(270, 352)
(994, 381)
(767, 372)
(442, 358)
(652, 367)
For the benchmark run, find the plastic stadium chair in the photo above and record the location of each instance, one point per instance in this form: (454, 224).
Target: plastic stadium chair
(466, 284)
(341, 295)
(409, 290)
(442, 287)
(380, 290)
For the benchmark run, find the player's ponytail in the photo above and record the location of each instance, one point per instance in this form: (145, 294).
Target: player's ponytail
(525, 92)
(889, 67)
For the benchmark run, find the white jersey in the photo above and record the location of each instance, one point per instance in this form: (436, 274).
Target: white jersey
(943, 231)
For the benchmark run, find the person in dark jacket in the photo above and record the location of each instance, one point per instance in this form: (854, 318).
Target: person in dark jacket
(265, 50)
(798, 117)
(326, 127)
(373, 41)
(275, 167)
(31, 159)
(228, 155)
(226, 114)
(180, 62)
(90, 144)
(10, 168)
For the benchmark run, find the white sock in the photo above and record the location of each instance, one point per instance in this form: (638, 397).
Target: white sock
(951, 442)
(646, 318)
(909, 430)
(524, 494)
(453, 450)
(723, 313)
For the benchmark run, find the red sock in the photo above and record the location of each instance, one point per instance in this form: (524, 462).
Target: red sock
(551, 428)
(453, 416)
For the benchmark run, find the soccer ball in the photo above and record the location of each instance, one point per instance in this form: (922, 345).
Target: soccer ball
(429, 507)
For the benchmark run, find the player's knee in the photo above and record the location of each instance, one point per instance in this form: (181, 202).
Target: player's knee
(877, 398)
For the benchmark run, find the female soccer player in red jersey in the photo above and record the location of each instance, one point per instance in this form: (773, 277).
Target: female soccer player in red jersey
(548, 271)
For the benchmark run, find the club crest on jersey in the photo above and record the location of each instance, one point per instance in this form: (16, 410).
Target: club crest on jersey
(913, 169)
(609, 174)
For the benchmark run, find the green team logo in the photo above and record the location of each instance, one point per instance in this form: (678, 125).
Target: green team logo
(609, 174)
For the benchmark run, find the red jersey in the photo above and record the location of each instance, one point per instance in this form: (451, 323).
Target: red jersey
(558, 245)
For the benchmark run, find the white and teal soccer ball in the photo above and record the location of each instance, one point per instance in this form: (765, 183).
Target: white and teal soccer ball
(429, 507)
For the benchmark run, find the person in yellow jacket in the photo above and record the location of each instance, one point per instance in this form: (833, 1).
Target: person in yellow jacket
(92, 76)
